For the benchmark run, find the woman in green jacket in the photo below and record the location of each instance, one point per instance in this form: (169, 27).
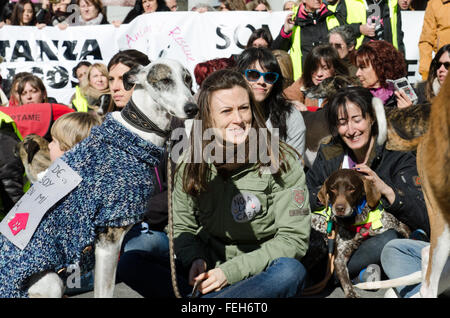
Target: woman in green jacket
(241, 212)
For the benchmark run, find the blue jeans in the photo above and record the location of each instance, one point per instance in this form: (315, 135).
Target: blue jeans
(403, 257)
(141, 238)
(369, 252)
(149, 275)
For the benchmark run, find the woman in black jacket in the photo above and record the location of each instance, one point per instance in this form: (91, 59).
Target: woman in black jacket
(353, 125)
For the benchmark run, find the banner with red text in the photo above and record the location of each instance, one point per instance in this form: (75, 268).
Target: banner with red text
(188, 37)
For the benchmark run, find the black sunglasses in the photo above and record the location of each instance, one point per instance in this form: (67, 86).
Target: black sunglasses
(446, 65)
(254, 75)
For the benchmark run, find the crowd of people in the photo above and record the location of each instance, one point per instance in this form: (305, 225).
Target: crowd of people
(239, 232)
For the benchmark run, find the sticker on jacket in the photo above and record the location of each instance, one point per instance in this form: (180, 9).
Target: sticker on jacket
(244, 207)
(298, 196)
(21, 222)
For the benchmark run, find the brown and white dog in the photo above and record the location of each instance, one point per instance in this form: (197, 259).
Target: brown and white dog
(351, 198)
(433, 165)
(35, 156)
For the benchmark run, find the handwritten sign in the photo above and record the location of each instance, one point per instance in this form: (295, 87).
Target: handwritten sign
(22, 221)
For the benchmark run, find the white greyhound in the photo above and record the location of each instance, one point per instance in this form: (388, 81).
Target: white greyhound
(162, 91)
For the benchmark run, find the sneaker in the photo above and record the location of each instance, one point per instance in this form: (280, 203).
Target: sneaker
(371, 273)
(419, 235)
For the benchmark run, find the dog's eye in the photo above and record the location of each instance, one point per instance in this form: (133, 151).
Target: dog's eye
(166, 81)
(188, 80)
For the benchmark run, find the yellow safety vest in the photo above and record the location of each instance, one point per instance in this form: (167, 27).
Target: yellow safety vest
(356, 13)
(373, 217)
(296, 47)
(8, 120)
(393, 9)
(80, 102)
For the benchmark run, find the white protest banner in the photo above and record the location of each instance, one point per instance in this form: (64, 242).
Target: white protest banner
(22, 220)
(189, 37)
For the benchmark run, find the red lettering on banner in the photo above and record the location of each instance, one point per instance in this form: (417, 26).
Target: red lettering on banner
(182, 43)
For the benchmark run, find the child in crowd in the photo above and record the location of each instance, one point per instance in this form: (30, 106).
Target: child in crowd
(67, 131)
(70, 129)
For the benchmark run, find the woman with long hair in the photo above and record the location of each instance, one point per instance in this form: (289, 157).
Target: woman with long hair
(262, 71)
(247, 244)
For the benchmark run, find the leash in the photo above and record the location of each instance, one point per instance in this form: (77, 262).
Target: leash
(173, 270)
(317, 288)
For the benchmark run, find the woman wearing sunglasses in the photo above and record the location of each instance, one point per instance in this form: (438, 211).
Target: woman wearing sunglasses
(428, 89)
(263, 73)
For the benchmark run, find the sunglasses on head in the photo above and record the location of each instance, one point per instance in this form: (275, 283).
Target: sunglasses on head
(254, 75)
(446, 65)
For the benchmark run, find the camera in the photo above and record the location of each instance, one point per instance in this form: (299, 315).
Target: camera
(404, 85)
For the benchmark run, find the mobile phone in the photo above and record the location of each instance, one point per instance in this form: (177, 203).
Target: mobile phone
(404, 85)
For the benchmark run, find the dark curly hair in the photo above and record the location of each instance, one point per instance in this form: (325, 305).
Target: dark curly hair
(386, 60)
(203, 69)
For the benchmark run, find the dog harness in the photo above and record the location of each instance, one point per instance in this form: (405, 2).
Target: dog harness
(116, 167)
(373, 219)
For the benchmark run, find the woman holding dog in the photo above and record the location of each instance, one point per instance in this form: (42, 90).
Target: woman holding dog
(353, 125)
(248, 243)
(321, 63)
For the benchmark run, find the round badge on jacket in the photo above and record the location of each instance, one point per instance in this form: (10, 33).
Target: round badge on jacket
(244, 207)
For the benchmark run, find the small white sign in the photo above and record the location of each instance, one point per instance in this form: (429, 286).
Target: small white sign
(22, 221)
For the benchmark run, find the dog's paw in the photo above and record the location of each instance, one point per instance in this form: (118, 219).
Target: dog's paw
(351, 294)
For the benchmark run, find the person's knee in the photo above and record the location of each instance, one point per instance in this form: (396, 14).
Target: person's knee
(126, 266)
(389, 250)
(290, 269)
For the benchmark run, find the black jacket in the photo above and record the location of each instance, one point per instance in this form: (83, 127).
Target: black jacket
(313, 31)
(387, 33)
(397, 169)
(11, 170)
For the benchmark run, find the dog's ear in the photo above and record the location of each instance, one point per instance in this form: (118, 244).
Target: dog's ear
(130, 78)
(323, 195)
(31, 147)
(373, 196)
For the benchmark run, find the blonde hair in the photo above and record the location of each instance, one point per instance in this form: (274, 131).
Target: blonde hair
(90, 93)
(85, 83)
(71, 128)
(285, 62)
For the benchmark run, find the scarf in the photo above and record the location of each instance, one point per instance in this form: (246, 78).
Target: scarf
(95, 21)
(382, 93)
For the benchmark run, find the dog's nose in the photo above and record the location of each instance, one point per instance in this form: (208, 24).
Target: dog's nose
(340, 208)
(191, 109)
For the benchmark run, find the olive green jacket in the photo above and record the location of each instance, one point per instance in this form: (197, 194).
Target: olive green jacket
(243, 223)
